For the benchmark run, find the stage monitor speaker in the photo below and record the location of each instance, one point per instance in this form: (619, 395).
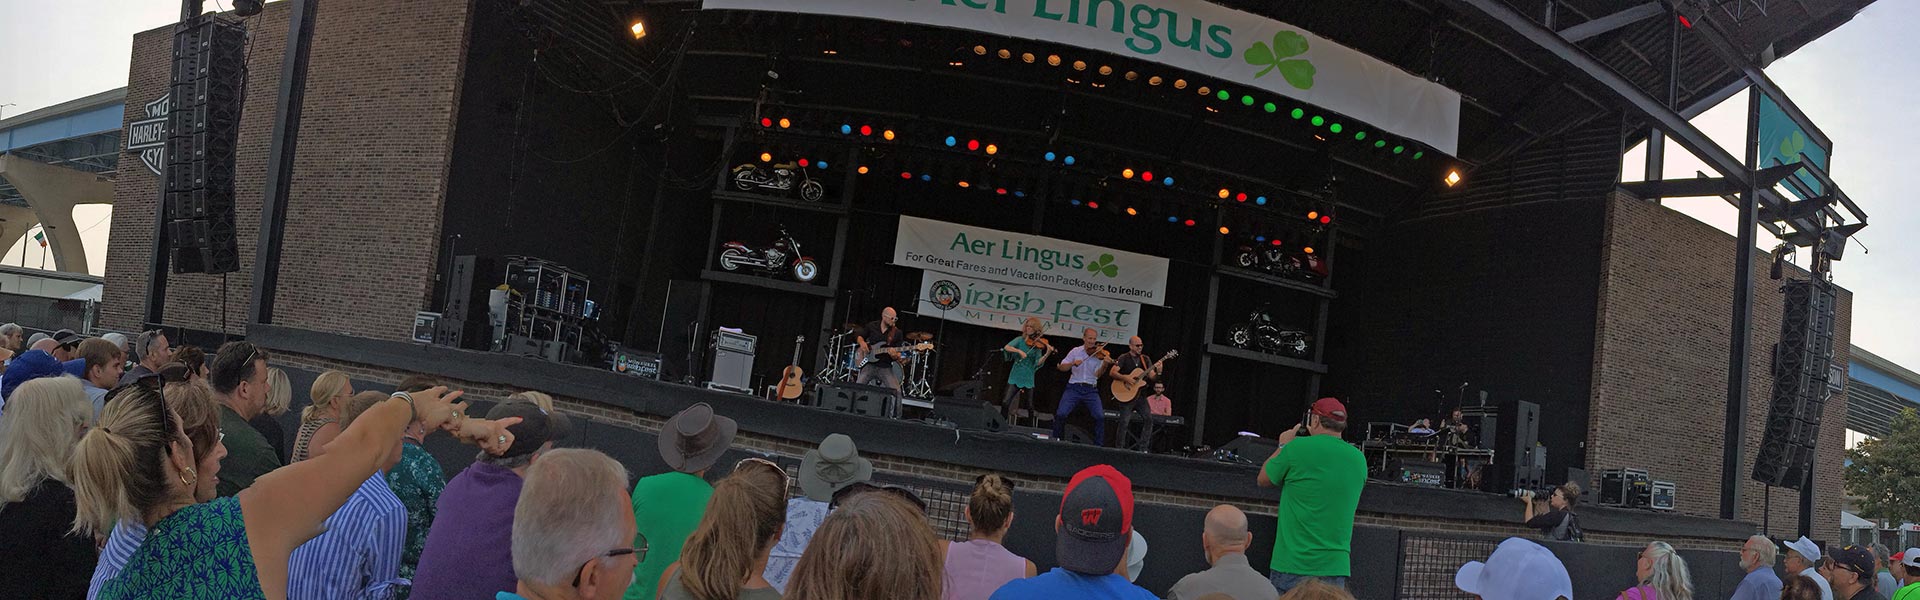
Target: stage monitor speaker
(969, 390)
(1076, 434)
(833, 397)
(977, 415)
(1801, 384)
(854, 398)
(680, 327)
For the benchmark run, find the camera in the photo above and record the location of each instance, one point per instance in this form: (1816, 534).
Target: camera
(1530, 494)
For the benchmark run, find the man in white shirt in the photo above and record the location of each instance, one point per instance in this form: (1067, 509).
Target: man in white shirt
(1085, 362)
(1802, 556)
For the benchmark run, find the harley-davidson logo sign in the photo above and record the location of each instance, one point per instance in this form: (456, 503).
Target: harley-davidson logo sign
(149, 135)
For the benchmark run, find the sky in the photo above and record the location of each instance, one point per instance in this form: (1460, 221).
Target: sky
(1857, 83)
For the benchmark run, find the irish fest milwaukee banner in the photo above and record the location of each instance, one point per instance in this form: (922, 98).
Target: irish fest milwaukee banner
(1194, 35)
(1007, 306)
(1031, 260)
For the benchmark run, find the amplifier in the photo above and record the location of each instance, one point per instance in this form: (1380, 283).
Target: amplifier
(1417, 472)
(1625, 488)
(1662, 495)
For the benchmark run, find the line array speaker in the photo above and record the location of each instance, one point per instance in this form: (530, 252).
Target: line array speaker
(1800, 390)
(208, 85)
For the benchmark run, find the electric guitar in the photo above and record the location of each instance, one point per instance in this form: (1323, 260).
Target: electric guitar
(1125, 391)
(895, 351)
(790, 377)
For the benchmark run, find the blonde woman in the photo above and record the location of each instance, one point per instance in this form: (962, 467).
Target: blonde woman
(192, 403)
(320, 422)
(1662, 574)
(42, 557)
(980, 565)
(279, 398)
(1026, 353)
(139, 465)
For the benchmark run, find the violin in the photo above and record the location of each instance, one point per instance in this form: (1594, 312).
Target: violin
(1039, 342)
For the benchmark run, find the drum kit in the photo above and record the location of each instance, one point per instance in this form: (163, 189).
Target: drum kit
(843, 360)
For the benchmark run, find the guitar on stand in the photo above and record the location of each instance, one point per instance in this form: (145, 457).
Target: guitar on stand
(1126, 389)
(790, 384)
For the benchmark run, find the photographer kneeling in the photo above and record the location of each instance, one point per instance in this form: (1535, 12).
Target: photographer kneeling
(1559, 523)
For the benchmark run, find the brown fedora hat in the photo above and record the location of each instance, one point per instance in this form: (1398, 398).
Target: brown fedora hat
(696, 437)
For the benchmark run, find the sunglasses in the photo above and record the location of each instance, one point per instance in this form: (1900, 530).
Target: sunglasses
(903, 492)
(639, 551)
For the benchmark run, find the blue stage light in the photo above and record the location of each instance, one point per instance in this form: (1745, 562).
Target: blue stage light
(1259, 238)
(820, 163)
(1262, 200)
(1076, 202)
(1173, 219)
(1019, 194)
(951, 141)
(846, 130)
(926, 178)
(1168, 182)
(1050, 157)
(1069, 159)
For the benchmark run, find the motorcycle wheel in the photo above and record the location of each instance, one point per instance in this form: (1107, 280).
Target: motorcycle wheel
(812, 191)
(1239, 335)
(1296, 347)
(805, 270)
(742, 184)
(1246, 260)
(731, 259)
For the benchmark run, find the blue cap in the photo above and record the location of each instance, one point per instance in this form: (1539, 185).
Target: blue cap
(76, 367)
(32, 364)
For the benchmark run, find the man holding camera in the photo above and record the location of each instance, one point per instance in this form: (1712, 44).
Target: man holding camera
(1319, 476)
(1559, 522)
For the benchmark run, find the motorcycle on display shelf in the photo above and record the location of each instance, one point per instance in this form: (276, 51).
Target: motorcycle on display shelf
(783, 256)
(1277, 261)
(780, 177)
(1259, 332)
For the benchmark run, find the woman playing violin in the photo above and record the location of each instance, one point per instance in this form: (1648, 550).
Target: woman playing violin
(1026, 352)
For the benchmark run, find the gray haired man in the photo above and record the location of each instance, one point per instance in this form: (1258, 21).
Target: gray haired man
(573, 529)
(1756, 558)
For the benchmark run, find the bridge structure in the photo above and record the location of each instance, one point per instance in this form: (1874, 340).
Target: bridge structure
(54, 159)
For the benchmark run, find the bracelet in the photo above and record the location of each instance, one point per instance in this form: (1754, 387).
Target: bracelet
(410, 407)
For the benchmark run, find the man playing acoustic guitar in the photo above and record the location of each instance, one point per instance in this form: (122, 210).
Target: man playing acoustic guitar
(1134, 369)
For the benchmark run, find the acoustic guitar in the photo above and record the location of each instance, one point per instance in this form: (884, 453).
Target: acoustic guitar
(1124, 391)
(790, 377)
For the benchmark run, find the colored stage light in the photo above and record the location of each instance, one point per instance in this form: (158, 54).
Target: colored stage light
(1262, 200)
(1417, 155)
(1004, 53)
(1133, 75)
(992, 149)
(1019, 194)
(980, 50)
(1399, 149)
(1068, 159)
(1275, 242)
(1325, 219)
(866, 130)
(862, 170)
(1126, 173)
(1223, 95)
(1079, 65)
(1259, 238)
(784, 123)
(1179, 84)
(888, 134)
(1308, 249)
(906, 175)
(1453, 177)
(1075, 201)
(766, 157)
(1189, 222)
(964, 184)
(1154, 80)
(926, 177)
(1173, 219)
(1335, 128)
(1167, 182)
(1297, 113)
(1380, 143)
(1224, 193)
(1106, 70)
(1000, 191)
(1313, 214)
(1050, 156)
(1132, 211)
(1242, 197)
(1205, 91)
(803, 162)
(1271, 107)
(1026, 57)
(973, 144)
(820, 164)
(639, 30)
(1092, 204)
(1318, 121)
(766, 122)
(1223, 230)
(1360, 135)
(1146, 175)
(1246, 100)
(846, 130)
(952, 141)
(1053, 60)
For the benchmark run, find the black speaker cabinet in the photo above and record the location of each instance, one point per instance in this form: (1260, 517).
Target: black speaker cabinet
(866, 400)
(977, 415)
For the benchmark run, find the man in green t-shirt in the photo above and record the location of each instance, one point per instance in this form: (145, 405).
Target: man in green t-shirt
(1906, 572)
(1319, 477)
(667, 507)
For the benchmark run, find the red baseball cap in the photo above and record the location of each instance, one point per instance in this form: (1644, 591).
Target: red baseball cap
(1096, 521)
(1330, 408)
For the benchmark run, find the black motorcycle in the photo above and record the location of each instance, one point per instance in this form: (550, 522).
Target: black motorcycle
(1259, 332)
(1276, 261)
(781, 177)
(783, 256)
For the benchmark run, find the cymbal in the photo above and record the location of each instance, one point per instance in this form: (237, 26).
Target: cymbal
(919, 336)
(850, 326)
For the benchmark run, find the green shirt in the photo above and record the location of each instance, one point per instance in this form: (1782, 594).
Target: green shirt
(666, 509)
(248, 454)
(1320, 479)
(1910, 592)
(417, 481)
(1020, 375)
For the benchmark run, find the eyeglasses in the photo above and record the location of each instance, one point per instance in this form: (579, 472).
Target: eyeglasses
(639, 552)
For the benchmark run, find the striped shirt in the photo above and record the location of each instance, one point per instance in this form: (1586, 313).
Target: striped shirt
(358, 556)
(126, 538)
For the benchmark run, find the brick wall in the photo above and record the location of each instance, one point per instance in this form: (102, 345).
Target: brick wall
(1660, 369)
(363, 218)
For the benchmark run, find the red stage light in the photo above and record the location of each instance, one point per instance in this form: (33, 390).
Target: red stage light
(802, 162)
(1242, 196)
(1686, 22)
(1276, 242)
(1325, 220)
(973, 144)
(1000, 191)
(866, 130)
(906, 175)
(1091, 204)
(766, 122)
(1189, 222)
(1146, 175)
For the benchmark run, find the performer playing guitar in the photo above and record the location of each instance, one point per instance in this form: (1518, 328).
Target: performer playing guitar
(1130, 374)
(1086, 362)
(880, 343)
(1027, 353)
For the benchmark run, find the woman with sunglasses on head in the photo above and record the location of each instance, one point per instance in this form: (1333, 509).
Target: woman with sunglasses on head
(139, 464)
(42, 557)
(199, 415)
(726, 557)
(980, 565)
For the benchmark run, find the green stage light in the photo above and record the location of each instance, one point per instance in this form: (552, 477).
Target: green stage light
(1380, 144)
(1360, 135)
(1399, 149)
(1246, 100)
(1335, 128)
(1223, 95)
(1271, 107)
(1317, 121)
(1297, 113)
(1417, 155)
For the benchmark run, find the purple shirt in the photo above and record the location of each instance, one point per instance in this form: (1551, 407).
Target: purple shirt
(975, 568)
(469, 551)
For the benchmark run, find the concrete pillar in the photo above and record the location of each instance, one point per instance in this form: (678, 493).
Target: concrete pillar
(51, 193)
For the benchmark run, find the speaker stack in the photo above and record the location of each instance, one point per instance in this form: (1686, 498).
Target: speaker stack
(209, 76)
(1800, 385)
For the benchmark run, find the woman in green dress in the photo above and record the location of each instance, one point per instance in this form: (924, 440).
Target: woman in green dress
(1026, 352)
(138, 464)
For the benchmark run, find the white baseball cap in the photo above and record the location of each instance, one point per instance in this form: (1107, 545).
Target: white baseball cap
(1909, 558)
(1518, 570)
(1806, 548)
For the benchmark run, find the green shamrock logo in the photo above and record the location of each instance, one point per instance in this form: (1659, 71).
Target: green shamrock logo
(1104, 266)
(1791, 146)
(1299, 72)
